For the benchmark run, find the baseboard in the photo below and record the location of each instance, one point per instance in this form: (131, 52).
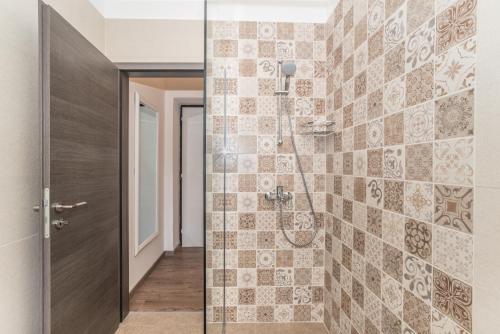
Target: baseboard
(172, 253)
(146, 275)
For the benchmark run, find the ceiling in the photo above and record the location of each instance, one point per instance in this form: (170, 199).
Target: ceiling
(256, 10)
(171, 83)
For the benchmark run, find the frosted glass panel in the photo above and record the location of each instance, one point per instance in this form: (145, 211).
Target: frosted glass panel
(148, 162)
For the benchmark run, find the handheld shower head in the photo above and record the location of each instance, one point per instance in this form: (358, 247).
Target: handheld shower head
(288, 71)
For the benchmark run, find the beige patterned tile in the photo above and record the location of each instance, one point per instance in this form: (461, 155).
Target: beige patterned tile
(452, 298)
(419, 201)
(419, 123)
(453, 162)
(455, 24)
(417, 278)
(454, 207)
(420, 85)
(420, 46)
(452, 252)
(394, 96)
(455, 116)
(419, 11)
(394, 162)
(417, 314)
(395, 26)
(418, 239)
(456, 68)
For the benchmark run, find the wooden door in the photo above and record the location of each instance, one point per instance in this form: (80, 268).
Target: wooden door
(81, 161)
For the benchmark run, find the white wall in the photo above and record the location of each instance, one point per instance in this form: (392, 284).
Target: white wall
(156, 41)
(20, 260)
(487, 211)
(139, 264)
(82, 15)
(173, 100)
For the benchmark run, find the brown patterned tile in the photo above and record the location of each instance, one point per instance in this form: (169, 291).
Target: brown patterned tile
(374, 221)
(393, 262)
(360, 32)
(284, 295)
(419, 162)
(391, 324)
(267, 49)
(285, 30)
(395, 62)
(246, 296)
(246, 259)
(454, 207)
(248, 67)
(419, 11)
(266, 164)
(375, 163)
(265, 277)
(456, 24)
(347, 210)
(247, 182)
(248, 30)
(246, 221)
(455, 116)
(360, 189)
(394, 129)
(348, 116)
(284, 258)
(302, 313)
(375, 104)
(304, 88)
(391, 6)
(225, 48)
(348, 68)
(453, 298)
(265, 313)
(376, 45)
(420, 85)
(303, 50)
(373, 279)
(418, 239)
(248, 105)
(348, 163)
(359, 241)
(360, 137)
(345, 303)
(349, 21)
(360, 85)
(416, 313)
(394, 196)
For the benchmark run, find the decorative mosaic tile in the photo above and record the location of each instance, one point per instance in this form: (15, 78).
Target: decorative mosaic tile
(375, 133)
(418, 239)
(393, 162)
(419, 123)
(456, 24)
(420, 85)
(394, 62)
(416, 313)
(419, 162)
(417, 278)
(393, 262)
(454, 207)
(392, 295)
(453, 161)
(453, 298)
(455, 116)
(394, 129)
(394, 196)
(393, 229)
(444, 325)
(376, 45)
(395, 27)
(456, 68)
(453, 253)
(391, 324)
(419, 11)
(420, 46)
(376, 16)
(419, 201)
(394, 96)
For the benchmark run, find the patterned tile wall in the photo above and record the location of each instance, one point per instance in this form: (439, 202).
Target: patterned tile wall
(400, 167)
(267, 279)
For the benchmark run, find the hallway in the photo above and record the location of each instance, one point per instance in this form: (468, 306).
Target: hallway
(174, 285)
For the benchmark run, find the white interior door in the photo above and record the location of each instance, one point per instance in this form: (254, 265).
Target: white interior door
(192, 177)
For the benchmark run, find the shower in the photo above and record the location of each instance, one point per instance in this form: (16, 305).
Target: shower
(286, 71)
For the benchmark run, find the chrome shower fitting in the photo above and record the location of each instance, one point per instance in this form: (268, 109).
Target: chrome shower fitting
(280, 195)
(286, 70)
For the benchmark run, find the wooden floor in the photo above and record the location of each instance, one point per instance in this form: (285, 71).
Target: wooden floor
(175, 284)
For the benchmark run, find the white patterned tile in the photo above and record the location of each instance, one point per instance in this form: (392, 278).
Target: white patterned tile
(420, 46)
(452, 253)
(417, 277)
(393, 231)
(454, 161)
(392, 294)
(419, 201)
(394, 96)
(456, 68)
(419, 123)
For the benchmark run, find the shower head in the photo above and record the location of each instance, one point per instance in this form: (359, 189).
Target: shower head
(288, 71)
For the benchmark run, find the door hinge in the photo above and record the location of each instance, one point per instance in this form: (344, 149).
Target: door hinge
(46, 213)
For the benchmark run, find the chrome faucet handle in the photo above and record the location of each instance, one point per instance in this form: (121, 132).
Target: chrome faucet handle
(280, 195)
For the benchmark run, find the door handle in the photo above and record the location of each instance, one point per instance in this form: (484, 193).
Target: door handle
(58, 207)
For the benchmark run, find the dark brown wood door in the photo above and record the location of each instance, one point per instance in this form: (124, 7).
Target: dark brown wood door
(81, 116)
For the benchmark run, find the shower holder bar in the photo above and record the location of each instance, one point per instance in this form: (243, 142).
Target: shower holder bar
(313, 124)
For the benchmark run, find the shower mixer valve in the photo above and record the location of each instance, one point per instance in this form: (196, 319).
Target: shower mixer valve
(280, 195)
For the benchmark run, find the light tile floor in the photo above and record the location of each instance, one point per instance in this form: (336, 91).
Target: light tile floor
(192, 323)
